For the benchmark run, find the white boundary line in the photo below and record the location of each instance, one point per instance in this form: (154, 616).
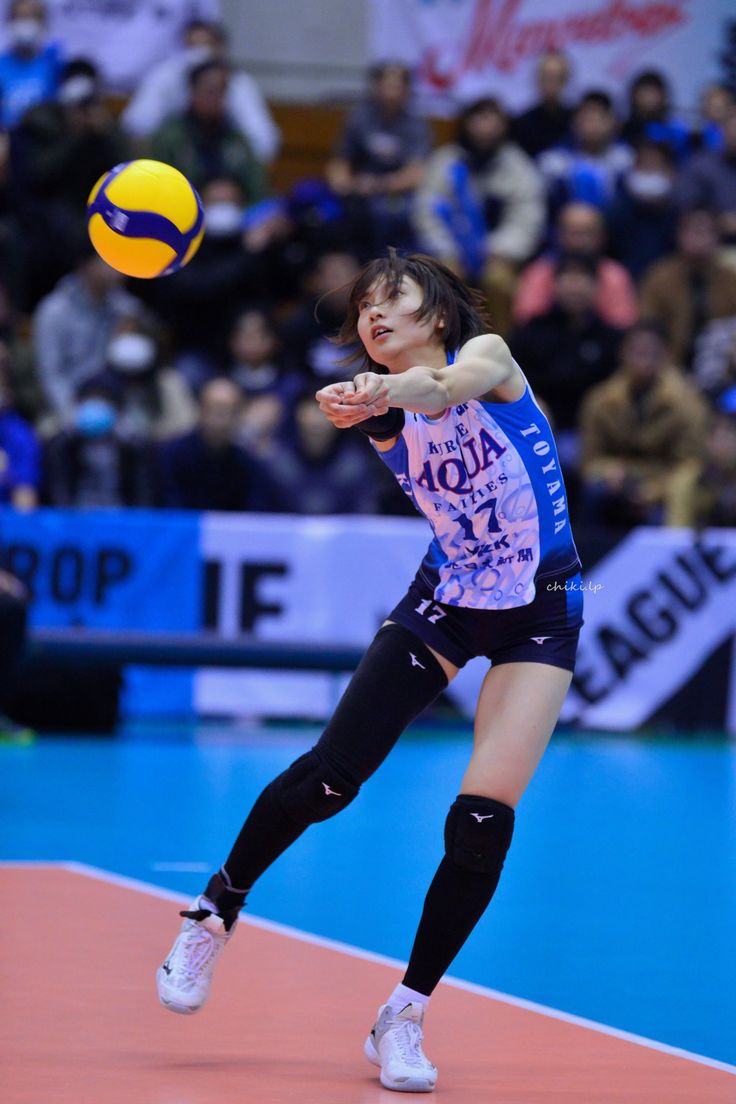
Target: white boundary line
(125, 882)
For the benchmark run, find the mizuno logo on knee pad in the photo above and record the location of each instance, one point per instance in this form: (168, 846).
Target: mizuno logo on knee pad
(329, 792)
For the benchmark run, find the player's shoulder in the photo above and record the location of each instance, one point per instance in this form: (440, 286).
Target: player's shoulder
(486, 343)
(487, 346)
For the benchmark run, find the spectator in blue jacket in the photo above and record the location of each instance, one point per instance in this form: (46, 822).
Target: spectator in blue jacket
(642, 220)
(30, 68)
(651, 116)
(590, 168)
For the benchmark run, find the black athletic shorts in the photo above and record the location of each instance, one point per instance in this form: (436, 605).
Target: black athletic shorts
(545, 631)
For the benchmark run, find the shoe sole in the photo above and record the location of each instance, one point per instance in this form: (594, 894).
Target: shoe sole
(181, 1009)
(408, 1084)
(173, 1006)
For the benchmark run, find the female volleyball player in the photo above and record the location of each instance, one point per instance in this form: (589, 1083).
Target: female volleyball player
(456, 421)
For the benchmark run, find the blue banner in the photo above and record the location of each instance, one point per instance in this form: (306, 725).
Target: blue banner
(123, 569)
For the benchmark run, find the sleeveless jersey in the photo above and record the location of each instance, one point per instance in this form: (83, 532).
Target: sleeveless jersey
(487, 478)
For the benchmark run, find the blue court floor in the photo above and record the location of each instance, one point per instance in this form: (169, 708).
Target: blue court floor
(617, 903)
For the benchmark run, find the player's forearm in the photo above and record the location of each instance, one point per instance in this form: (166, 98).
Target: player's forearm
(432, 390)
(418, 389)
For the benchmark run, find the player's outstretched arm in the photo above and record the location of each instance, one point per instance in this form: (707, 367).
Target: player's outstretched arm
(483, 364)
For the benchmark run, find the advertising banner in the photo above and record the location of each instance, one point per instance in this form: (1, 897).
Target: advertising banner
(656, 646)
(462, 49)
(114, 569)
(657, 608)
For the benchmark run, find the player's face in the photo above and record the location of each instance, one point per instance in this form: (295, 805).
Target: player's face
(389, 327)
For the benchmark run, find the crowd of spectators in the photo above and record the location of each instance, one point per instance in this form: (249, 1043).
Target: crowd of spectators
(602, 235)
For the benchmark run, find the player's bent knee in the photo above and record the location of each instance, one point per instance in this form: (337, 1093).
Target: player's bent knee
(312, 789)
(478, 833)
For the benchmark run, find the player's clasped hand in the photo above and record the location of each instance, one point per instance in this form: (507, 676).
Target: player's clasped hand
(346, 404)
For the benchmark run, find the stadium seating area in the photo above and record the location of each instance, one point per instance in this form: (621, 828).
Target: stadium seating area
(604, 242)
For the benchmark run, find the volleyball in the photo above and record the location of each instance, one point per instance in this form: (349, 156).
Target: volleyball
(145, 219)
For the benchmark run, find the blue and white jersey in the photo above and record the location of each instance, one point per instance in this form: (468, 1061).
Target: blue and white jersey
(487, 478)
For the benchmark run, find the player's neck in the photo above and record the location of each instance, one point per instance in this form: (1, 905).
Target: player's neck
(429, 356)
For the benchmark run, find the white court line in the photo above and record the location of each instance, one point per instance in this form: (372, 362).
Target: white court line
(182, 867)
(369, 956)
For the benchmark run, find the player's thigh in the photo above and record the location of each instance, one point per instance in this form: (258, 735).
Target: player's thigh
(447, 666)
(518, 708)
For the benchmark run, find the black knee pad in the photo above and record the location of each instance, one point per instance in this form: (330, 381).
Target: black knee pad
(478, 833)
(312, 789)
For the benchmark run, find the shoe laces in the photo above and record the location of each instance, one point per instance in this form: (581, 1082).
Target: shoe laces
(407, 1037)
(195, 951)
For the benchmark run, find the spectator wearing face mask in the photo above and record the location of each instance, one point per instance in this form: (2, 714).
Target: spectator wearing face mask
(90, 464)
(642, 220)
(155, 402)
(72, 328)
(581, 232)
(235, 263)
(163, 91)
(30, 68)
(20, 453)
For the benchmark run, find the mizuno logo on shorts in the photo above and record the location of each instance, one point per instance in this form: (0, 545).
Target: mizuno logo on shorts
(540, 639)
(329, 792)
(480, 818)
(415, 662)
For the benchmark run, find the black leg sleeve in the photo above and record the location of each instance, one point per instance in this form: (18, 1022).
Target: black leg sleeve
(478, 834)
(397, 679)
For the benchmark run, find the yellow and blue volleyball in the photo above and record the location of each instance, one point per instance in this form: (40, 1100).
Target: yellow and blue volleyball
(145, 219)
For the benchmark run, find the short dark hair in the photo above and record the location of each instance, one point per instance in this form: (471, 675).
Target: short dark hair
(443, 293)
(205, 67)
(596, 98)
(211, 25)
(380, 68)
(651, 77)
(483, 103)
